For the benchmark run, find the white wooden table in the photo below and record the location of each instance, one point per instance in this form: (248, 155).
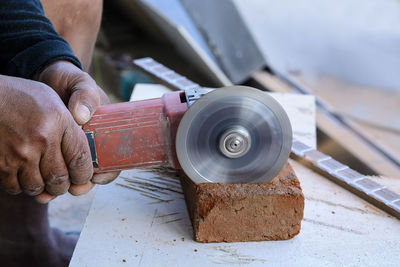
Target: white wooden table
(141, 220)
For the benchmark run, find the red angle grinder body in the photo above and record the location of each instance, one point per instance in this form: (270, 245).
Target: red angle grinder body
(135, 134)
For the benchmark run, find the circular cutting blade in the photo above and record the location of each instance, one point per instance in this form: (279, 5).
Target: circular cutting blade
(234, 134)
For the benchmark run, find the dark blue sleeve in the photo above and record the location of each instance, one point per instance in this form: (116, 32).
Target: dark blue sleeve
(28, 41)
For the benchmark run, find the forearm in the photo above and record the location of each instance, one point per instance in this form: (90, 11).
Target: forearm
(28, 41)
(78, 22)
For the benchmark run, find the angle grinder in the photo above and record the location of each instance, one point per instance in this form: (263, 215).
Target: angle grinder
(233, 134)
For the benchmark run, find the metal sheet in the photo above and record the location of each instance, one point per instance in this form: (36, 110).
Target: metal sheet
(227, 36)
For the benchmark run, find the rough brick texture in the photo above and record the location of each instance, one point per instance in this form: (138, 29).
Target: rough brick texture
(245, 212)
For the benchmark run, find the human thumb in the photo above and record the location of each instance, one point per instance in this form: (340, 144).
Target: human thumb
(82, 114)
(82, 105)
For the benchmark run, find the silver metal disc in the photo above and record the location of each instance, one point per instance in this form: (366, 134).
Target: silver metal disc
(234, 134)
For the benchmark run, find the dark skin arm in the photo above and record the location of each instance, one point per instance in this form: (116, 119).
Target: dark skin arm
(78, 22)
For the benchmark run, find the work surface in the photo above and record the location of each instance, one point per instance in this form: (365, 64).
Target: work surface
(141, 220)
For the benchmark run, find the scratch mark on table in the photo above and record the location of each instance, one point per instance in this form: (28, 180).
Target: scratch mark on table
(154, 217)
(170, 180)
(169, 214)
(144, 185)
(168, 184)
(327, 202)
(159, 200)
(337, 227)
(138, 190)
(147, 194)
(148, 184)
(230, 255)
(171, 221)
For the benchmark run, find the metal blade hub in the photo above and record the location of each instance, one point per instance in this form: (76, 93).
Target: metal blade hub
(234, 142)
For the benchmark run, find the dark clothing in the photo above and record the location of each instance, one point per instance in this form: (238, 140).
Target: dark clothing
(28, 41)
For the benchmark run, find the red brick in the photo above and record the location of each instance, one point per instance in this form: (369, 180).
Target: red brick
(246, 212)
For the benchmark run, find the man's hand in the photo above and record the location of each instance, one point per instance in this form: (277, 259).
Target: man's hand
(75, 87)
(82, 96)
(43, 152)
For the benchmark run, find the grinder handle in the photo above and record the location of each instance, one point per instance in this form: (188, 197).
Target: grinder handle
(135, 134)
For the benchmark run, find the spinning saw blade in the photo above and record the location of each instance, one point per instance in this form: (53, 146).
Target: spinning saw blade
(234, 135)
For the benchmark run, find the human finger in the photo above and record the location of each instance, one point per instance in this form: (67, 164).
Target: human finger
(84, 100)
(104, 178)
(54, 171)
(80, 189)
(30, 178)
(9, 182)
(76, 153)
(44, 197)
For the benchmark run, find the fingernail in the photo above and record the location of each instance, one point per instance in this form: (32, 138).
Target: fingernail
(104, 178)
(83, 113)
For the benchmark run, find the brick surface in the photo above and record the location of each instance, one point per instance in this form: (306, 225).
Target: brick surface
(246, 212)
